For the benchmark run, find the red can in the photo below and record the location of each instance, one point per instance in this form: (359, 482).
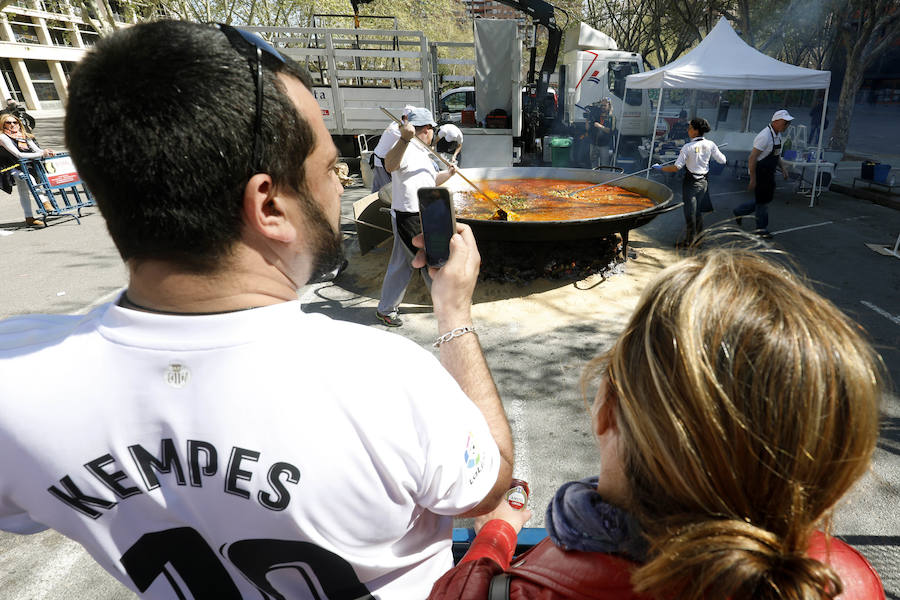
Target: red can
(517, 495)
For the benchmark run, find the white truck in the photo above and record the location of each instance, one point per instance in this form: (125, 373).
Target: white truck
(357, 71)
(596, 68)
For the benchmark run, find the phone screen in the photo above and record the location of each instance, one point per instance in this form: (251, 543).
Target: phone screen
(438, 224)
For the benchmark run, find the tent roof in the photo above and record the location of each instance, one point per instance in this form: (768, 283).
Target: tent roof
(723, 61)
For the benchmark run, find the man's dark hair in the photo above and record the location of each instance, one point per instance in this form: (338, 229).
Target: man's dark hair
(700, 125)
(160, 122)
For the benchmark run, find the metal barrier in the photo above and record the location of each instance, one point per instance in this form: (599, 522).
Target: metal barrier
(57, 182)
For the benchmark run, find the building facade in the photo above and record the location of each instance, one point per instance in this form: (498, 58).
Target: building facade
(40, 42)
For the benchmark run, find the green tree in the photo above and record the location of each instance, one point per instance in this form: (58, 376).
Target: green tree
(867, 28)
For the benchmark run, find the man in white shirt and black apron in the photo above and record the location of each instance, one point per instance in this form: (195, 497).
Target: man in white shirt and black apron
(764, 160)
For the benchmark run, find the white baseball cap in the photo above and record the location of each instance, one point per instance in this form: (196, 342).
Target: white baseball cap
(407, 109)
(782, 114)
(419, 117)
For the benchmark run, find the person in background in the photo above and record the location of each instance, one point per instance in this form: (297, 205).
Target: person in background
(449, 142)
(679, 130)
(13, 108)
(737, 408)
(411, 167)
(765, 159)
(600, 125)
(389, 137)
(694, 159)
(18, 144)
(222, 442)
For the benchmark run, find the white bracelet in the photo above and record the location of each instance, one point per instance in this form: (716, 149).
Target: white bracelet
(454, 333)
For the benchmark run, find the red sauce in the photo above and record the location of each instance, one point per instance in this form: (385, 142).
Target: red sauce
(547, 200)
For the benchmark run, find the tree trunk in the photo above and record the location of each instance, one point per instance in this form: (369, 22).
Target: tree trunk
(853, 79)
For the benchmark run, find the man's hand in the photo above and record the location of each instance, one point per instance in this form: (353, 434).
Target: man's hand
(454, 283)
(785, 173)
(752, 185)
(407, 132)
(516, 518)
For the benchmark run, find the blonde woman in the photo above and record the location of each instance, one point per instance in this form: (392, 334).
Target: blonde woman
(19, 144)
(733, 413)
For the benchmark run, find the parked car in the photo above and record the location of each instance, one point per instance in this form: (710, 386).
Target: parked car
(454, 101)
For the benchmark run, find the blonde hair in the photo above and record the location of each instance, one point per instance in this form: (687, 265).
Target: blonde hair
(747, 405)
(25, 133)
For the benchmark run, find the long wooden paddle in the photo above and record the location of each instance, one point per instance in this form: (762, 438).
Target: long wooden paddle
(501, 214)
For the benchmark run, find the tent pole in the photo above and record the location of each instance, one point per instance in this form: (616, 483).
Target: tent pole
(749, 111)
(812, 198)
(619, 123)
(653, 139)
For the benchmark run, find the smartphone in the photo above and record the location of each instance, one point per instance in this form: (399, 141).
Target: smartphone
(438, 224)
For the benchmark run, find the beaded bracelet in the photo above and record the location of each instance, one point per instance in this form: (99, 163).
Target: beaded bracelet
(454, 333)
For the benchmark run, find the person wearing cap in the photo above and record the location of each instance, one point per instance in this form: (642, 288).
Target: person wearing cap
(764, 159)
(449, 142)
(389, 137)
(411, 168)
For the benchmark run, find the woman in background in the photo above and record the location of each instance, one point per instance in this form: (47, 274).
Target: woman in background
(733, 413)
(694, 159)
(19, 144)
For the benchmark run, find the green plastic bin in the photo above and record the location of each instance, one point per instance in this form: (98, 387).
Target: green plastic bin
(561, 151)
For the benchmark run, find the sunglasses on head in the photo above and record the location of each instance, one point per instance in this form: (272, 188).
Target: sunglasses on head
(242, 41)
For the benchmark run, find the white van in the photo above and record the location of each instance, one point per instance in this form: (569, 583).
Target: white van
(454, 101)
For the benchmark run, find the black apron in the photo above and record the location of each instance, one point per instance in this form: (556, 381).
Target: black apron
(765, 172)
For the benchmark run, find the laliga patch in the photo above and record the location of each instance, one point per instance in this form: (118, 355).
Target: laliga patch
(472, 456)
(177, 375)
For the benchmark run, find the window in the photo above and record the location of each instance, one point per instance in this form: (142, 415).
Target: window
(59, 33)
(88, 36)
(25, 32)
(41, 79)
(618, 71)
(454, 102)
(12, 84)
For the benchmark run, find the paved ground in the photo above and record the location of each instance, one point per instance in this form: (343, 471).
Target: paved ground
(537, 339)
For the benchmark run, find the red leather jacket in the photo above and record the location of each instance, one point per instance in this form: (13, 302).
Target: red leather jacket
(547, 572)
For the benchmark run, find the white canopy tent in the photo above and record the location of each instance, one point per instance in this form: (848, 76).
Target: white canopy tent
(723, 61)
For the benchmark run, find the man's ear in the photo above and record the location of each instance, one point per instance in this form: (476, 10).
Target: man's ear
(603, 412)
(266, 211)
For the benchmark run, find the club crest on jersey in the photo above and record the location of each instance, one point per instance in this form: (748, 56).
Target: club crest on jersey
(177, 375)
(472, 455)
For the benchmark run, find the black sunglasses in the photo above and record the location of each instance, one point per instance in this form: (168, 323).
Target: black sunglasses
(241, 40)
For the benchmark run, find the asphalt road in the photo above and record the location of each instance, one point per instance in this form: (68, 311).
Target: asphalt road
(536, 348)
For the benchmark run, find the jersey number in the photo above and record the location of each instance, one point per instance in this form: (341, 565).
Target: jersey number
(193, 569)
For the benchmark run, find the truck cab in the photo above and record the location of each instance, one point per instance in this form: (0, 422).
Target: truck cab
(596, 68)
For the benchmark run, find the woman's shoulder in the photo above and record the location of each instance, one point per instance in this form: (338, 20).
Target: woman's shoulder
(575, 574)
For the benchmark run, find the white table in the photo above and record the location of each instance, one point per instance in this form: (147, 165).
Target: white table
(806, 170)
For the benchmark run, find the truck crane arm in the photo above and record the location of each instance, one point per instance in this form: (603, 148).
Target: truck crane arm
(541, 13)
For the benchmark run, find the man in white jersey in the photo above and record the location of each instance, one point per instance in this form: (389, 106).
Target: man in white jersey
(200, 436)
